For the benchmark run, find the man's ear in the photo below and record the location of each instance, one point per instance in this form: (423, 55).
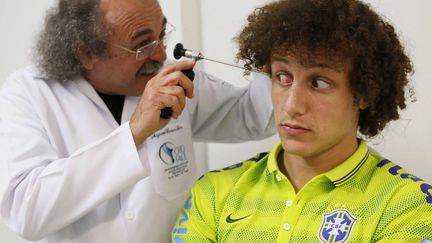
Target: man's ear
(363, 104)
(86, 57)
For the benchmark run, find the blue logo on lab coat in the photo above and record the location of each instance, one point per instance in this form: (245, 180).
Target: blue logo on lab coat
(171, 154)
(336, 226)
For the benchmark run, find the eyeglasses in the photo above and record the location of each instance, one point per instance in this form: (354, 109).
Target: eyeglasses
(145, 51)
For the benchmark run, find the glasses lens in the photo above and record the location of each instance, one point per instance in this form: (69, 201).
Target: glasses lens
(169, 28)
(147, 50)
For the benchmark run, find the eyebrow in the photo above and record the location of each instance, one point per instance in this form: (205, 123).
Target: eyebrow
(146, 31)
(307, 63)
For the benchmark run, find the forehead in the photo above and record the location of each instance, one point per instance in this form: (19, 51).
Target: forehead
(313, 59)
(126, 17)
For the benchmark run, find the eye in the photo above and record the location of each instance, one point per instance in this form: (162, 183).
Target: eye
(142, 44)
(318, 83)
(162, 34)
(283, 78)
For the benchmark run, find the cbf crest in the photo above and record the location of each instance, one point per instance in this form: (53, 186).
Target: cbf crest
(336, 226)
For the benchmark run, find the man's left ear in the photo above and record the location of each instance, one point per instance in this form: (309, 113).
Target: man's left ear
(363, 104)
(85, 57)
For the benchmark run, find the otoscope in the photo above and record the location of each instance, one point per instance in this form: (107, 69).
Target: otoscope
(166, 112)
(180, 51)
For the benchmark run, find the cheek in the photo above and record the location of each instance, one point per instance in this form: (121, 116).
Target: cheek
(126, 69)
(278, 98)
(344, 119)
(278, 106)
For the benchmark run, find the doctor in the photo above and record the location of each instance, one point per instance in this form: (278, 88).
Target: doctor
(89, 158)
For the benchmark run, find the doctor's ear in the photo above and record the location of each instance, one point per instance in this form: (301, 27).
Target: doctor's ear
(86, 57)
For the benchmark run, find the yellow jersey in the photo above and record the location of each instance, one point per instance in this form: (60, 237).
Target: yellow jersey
(365, 199)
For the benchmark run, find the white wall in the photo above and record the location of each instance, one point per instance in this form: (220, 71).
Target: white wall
(406, 142)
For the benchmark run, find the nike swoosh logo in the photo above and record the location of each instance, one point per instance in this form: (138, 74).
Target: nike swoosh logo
(231, 220)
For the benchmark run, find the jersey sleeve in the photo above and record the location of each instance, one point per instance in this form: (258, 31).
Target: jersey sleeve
(196, 221)
(408, 217)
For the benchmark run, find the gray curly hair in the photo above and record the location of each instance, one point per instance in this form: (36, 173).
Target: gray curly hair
(69, 26)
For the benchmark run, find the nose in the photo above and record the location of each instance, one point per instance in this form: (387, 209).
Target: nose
(296, 100)
(159, 54)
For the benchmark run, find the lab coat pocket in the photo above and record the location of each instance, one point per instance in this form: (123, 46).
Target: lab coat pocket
(171, 156)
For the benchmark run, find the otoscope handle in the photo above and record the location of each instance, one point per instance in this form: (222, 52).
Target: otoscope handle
(166, 112)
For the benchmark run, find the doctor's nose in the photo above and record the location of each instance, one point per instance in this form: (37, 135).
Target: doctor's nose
(159, 54)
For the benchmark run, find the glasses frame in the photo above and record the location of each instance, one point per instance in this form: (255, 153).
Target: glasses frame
(147, 50)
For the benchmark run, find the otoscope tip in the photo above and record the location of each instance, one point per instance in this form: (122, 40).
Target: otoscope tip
(179, 51)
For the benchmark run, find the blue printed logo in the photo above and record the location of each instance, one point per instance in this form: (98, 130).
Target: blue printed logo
(336, 226)
(171, 154)
(394, 170)
(180, 230)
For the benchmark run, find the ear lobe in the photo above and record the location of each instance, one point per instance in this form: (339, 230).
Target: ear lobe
(363, 104)
(85, 57)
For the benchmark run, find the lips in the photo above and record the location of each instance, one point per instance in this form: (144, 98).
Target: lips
(144, 72)
(148, 75)
(294, 129)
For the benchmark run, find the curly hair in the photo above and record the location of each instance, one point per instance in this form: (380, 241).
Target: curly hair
(336, 30)
(69, 26)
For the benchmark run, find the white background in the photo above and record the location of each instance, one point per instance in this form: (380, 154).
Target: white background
(209, 26)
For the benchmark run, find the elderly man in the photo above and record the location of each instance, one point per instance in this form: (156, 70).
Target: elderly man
(89, 157)
(339, 75)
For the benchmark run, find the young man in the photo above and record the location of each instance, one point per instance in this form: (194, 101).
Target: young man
(339, 74)
(89, 158)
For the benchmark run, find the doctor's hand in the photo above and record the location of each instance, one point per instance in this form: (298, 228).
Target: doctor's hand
(169, 88)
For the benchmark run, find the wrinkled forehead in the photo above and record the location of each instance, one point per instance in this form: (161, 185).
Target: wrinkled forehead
(118, 11)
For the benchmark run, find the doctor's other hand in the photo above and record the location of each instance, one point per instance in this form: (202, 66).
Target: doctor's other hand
(169, 88)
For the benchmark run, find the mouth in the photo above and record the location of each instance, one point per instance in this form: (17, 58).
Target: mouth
(147, 75)
(294, 129)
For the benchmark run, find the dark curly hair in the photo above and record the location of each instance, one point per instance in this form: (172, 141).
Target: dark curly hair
(68, 26)
(337, 30)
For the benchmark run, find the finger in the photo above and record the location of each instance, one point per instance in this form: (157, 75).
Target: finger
(177, 66)
(176, 91)
(177, 110)
(177, 78)
(187, 85)
(174, 102)
(167, 79)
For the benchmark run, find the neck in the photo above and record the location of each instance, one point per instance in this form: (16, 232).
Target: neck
(301, 169)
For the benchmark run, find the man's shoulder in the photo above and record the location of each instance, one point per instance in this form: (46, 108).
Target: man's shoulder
(405, 200)
(228, 177)
(25, 77)
(33, 78)
(401, 183)
(29, 70)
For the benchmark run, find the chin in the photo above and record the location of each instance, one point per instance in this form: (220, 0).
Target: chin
(139, 86)
(297, 148)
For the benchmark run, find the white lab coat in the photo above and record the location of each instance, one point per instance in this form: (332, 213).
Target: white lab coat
(75, 175)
